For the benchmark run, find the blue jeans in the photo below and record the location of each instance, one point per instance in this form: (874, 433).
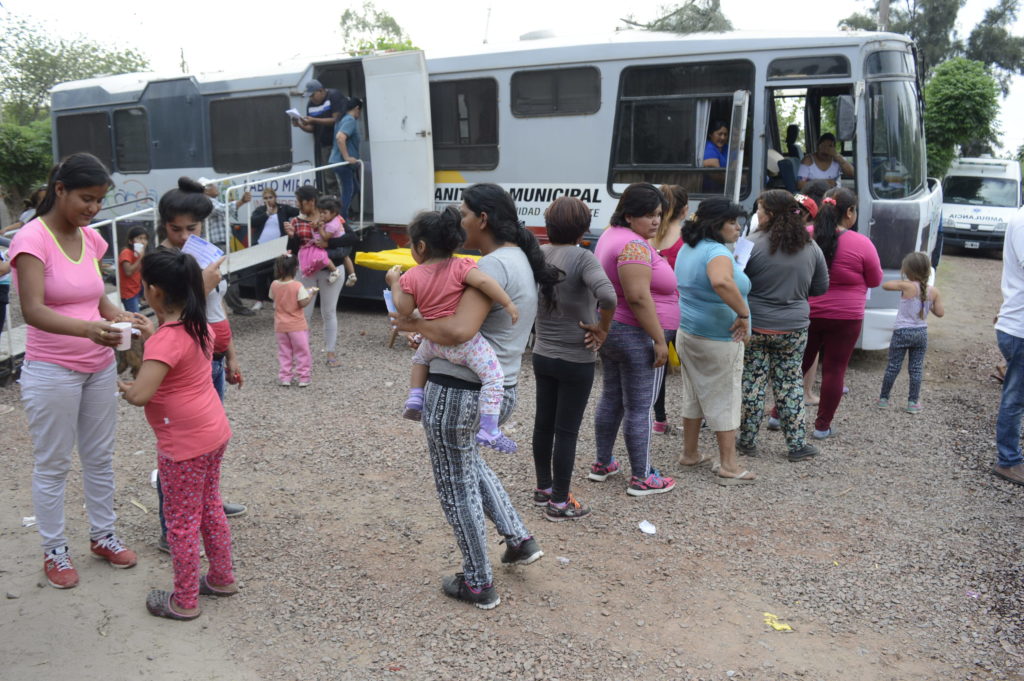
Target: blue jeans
(347, 180)
(132, 304)
(1011, 406)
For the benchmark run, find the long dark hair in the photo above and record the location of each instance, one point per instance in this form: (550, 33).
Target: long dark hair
(707, 222)
(440, 231)
(503, 221)
(179, 277)
(785, 227)
(638, 199)
(837, 202)
(188, 198)
(76, 171)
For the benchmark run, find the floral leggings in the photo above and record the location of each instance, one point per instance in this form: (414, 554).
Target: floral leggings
(778, 356)
(192, 506)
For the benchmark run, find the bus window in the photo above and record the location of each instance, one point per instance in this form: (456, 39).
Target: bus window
(896, 139)
(249, 133)
(131, 140)
(664, 117)
(88, 132)
(809, 67)
(464, 119)
(556, 92)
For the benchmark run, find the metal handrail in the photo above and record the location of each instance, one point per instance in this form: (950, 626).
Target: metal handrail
(113, 237)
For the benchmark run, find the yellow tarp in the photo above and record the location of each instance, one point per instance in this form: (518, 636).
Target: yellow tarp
(385, 260)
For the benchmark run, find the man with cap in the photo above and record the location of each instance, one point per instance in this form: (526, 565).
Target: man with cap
(324, 109)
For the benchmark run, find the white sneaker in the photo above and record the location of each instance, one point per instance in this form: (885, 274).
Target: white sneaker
(257, 306)
(303, 384)
(334, 276)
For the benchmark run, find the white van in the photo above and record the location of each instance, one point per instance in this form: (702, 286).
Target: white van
(980, 195)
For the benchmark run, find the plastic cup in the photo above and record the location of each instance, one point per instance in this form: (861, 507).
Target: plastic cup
(126, 335)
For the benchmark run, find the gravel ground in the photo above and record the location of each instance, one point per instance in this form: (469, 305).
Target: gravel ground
(893, 555)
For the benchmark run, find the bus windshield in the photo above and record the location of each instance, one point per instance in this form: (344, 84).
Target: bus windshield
(979, 191)
(896, 140)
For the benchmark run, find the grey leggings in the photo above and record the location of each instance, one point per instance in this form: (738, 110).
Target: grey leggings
(913, 341)
(630, 387)
(466, 486)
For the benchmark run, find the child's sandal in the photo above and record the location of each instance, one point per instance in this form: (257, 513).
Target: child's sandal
(206, 589)
(158, 602)
(351, 280)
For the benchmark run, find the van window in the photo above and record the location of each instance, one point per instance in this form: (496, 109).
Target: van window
(980, 191)
(663, 120)
(89, 132)
(249, 133)
(556, 92)
(131, 140)
(464, 118)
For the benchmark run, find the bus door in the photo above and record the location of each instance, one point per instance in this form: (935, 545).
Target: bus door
(398, 97)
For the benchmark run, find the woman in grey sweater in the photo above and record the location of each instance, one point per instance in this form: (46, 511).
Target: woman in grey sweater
(785, 268)
(564, 353)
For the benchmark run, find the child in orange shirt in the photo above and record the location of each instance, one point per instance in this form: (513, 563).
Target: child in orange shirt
(289, 297)
(130, 260)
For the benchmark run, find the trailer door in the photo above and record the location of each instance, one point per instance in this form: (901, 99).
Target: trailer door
(398, 100)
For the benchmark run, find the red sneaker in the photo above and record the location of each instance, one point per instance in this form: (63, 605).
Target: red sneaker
(60, 571)
(112, 550)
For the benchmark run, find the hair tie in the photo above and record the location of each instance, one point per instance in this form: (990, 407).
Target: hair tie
(829, 200)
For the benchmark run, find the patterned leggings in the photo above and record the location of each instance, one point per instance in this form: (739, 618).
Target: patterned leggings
(466, 486)
(912, 341)
(775, 356)
(477, 355)
(192, 506)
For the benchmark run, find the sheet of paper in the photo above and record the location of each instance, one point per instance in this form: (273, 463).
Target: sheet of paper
(202, 250)
(744, 247)
(293, 113)
(869, 295)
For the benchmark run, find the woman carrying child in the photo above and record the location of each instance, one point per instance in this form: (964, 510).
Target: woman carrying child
(290, 325)
(191, 429)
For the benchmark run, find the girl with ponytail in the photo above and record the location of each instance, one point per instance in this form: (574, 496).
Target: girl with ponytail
(191, 430)
(837, 316)
(466, 485)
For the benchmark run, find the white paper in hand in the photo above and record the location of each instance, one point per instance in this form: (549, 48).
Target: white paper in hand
(744, 247)
(202, 250)
(293, 113)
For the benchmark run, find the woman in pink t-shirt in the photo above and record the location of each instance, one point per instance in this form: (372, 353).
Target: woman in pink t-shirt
(192, 431)
(837, 316)
(67, 381)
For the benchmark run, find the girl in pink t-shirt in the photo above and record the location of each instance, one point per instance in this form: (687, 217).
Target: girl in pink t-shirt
(290, 326)
(191, 430)
(67, 381)
(328, 225)
(435, 287)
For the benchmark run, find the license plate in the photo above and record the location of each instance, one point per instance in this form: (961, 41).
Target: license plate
(972, 244)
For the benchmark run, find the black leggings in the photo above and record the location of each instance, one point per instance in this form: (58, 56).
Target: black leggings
(659, 404)
(563, 390)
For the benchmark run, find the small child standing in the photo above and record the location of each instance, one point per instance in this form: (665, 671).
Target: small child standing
(334, 224)
(910, 334)
(435, 286)
(129, 260)
(290, 326)
(313, 258)
(192, 431)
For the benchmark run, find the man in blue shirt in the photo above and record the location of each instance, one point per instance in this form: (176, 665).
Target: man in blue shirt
(346, 148)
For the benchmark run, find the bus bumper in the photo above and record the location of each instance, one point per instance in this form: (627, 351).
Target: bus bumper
(877, 329)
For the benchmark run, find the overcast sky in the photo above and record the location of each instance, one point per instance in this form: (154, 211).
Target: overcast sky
(219, 36)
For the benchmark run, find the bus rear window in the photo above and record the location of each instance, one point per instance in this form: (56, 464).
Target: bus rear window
(249, 133)
(131, 136)
(88, 132)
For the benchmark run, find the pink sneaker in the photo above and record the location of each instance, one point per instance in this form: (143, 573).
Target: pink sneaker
(661, 427)
(653, 484)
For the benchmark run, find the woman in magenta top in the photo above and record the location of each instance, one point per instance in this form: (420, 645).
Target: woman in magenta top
(837, 316)
(634, 353)
(68, 379)
(667, 241)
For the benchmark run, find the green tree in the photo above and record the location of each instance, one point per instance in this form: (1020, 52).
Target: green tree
(369, 29)
(992, 43)
(33, 60)
(25, 159)
(693, 16)
(962, 102)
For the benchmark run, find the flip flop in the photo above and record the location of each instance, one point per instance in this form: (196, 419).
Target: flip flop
(158, 602)
(207, 590)
(704, 461)
(740, 479)
(333, 363)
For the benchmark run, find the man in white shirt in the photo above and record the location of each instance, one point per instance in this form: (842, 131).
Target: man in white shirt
(1010, 337)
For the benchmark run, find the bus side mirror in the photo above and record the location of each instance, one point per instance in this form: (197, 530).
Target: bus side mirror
(846, 118)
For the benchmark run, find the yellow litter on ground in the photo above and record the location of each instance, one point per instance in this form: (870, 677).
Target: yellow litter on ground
(385, 260)
(773, 622)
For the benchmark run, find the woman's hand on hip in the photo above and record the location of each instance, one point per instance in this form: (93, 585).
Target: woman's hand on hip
(740, 330)
(660, 354)
(594, 337)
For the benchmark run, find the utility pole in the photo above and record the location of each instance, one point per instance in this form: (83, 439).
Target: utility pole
(883, 15)
(487, 25)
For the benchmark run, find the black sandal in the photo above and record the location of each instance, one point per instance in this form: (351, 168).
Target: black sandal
(207, 590)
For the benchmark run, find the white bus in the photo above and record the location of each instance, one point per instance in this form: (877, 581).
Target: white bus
(543, 118)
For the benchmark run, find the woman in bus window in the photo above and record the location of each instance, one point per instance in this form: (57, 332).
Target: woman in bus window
(716, 149)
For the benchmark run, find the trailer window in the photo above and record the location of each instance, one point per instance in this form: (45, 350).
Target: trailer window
(249, 133)
(464, 118)
(131, 140)
(89, 132)
(556, 92)
(663, 119)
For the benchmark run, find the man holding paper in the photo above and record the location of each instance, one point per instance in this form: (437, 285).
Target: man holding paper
(323, 110)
